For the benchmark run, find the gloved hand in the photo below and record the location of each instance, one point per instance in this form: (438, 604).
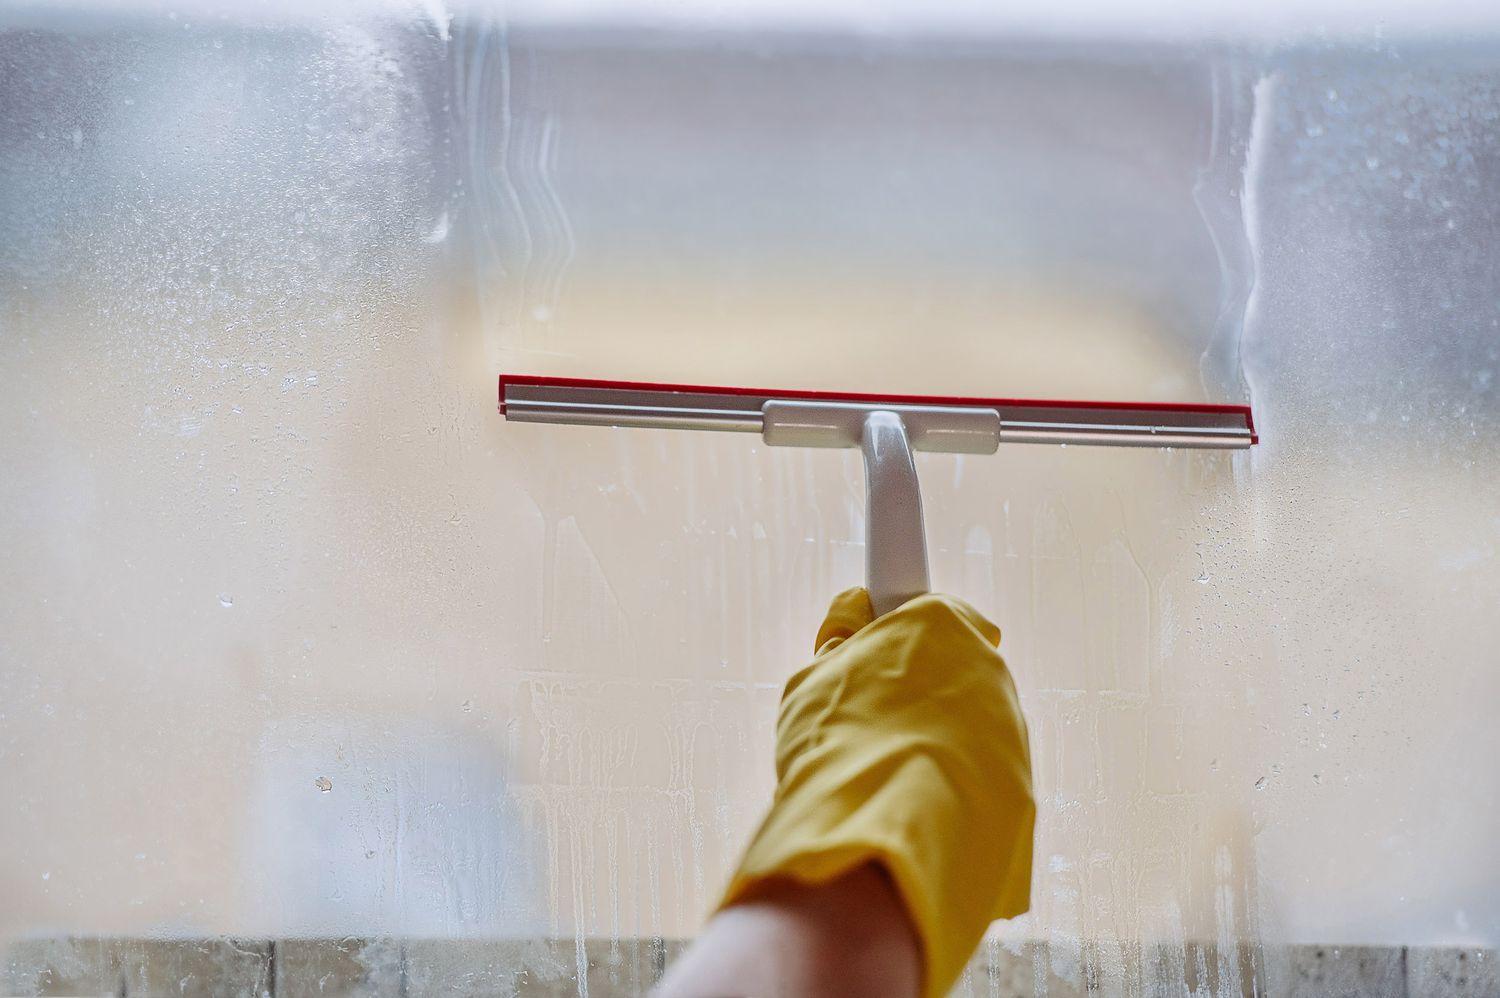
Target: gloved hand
(903, 744)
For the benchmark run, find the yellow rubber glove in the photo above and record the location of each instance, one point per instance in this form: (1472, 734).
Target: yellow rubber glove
(903, 744)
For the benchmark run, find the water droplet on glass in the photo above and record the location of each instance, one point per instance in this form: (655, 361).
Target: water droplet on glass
(467, 706)
(1260, 784)
(1202, 578)
(1306, 710)
(369, 854)
(47, 875)
(226, 600)
(324, 784)
(1313, 131)
(1317, 779)
(1335, 715)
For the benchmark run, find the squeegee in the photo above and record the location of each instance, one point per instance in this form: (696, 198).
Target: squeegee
(887, 428)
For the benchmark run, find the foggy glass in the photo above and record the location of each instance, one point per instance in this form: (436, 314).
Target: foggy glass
(301, 641)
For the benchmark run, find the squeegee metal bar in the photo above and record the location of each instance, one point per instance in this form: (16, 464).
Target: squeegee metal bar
(634, 404)
(616, 414)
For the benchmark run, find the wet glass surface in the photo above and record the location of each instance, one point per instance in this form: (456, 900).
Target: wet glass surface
(300, 640)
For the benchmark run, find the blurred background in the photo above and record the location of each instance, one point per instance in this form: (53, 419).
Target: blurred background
(302, 645)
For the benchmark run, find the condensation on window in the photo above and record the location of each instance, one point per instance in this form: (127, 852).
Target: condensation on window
(314, 669)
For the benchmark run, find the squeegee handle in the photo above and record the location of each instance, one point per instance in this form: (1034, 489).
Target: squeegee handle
(895, 539)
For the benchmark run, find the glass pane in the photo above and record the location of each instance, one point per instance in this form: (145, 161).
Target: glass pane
(314, 672)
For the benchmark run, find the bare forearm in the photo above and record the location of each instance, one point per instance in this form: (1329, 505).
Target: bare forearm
(850, 936)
